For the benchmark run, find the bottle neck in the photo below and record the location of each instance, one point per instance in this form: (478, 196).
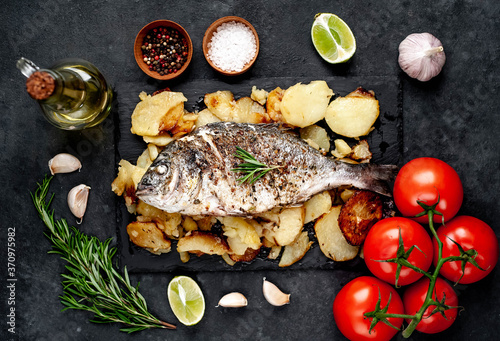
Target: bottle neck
(68, 90)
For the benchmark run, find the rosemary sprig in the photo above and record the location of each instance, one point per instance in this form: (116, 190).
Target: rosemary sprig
(92, 282)
(253, 169)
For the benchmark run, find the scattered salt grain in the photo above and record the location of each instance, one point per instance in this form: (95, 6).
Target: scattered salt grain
(233, 45)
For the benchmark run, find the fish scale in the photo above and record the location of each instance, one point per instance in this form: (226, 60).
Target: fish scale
(193, 175)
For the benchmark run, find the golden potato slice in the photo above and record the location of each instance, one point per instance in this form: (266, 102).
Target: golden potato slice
(273, 104)
(204, 223)
(291, 221)
(204, 117)
(259, 95)
(244, 110)
(346, 194)
(317, 206)
(330, 238)
(160, 140)
(342, 149)
(361, 152)
(148, 236)
(199, 242)
(354, 114)
(240, 234)
(185, 125)
(295, 251)
(184, 256)
(189, 224)
(153, 151)
(358, 215)
(228, 259)
(316, 134)
(157, 114)
(275, 252)
(305, 104)
(128, 177)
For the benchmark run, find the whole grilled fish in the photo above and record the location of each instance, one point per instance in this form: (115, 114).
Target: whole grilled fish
(194, 174)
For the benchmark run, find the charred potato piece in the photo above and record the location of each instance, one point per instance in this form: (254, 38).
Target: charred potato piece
(330, 238)
(199, 242)
(147, 235)
(273, 104)
(358, 215)
(248, 256)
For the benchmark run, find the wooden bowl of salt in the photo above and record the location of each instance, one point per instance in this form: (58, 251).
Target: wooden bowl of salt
(231, 45)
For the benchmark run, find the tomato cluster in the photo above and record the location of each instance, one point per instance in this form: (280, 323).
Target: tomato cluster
(400, 252)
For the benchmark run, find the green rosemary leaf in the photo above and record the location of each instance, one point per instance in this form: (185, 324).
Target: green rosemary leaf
(253, 169)
(91, 282)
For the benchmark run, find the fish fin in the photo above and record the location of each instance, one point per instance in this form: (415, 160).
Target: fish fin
(377, 178)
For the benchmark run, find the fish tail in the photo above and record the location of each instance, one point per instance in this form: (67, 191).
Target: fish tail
(377, 178)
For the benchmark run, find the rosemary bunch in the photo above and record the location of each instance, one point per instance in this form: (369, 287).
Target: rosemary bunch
(92, 282)
(253, 169)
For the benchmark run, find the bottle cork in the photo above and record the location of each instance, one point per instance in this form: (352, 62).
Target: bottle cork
(40, 85)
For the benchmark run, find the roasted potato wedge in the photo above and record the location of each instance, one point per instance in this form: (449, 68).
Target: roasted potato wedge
(159, 140)
(295, 251)
(361, 152)
(330, 238)
(342, 149)
(358, 215)
(248, 256)
(204, 117)
(317, 135)
(240, 234)
(245, 110)
(147, 235)
(199, 242)
(354, 114)
(157, 114)
(291, 221)
(275, 252)
(305, 104)
(273, 104)
(317, 206)
(259, 95)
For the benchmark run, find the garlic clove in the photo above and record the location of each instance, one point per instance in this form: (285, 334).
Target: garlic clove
(233, 300)
(421, 56)
(77, 200)
(64, 163)
(274, 295)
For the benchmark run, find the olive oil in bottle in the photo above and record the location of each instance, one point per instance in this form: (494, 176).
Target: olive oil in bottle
(73, 94)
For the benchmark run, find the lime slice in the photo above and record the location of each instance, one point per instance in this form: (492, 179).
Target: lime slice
(186, 300)
(332, 38)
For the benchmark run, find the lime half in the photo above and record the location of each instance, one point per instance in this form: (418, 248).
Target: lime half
(332, 38)
(186, 300)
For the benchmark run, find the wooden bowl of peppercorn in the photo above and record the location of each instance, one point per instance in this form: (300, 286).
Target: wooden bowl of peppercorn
(163, 49)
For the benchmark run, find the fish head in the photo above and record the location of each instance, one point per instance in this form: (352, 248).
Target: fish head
(158, 183)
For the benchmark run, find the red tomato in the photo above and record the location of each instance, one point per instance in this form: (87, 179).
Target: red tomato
(470, 233)
(360, 296)
(424, 179)
(382, 243)
(414, 297)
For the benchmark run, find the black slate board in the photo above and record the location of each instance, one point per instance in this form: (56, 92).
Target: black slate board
(385, 143)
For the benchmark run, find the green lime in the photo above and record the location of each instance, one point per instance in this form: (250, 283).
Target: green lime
(332, 38)
(186, 300)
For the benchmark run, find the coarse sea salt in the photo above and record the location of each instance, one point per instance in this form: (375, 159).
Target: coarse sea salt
(233, 45)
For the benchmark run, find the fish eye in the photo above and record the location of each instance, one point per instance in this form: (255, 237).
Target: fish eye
(161, 169)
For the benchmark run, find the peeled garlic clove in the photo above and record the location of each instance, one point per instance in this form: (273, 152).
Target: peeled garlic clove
(233, 300)
(421, 56)
(77, 200)
(64, 163)
(274, 295)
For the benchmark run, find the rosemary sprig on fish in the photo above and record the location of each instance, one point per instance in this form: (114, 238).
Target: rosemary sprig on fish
(253, 169)
(193, 175)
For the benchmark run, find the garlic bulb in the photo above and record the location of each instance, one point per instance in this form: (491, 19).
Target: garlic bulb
(64, 163)
(77, 200)
(233, 300)
(421, 56)
(274, 295)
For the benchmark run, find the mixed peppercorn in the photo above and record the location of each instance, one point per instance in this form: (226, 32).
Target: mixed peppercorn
(164, 50)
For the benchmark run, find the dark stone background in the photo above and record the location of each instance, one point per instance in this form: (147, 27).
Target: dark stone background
(453, 117)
